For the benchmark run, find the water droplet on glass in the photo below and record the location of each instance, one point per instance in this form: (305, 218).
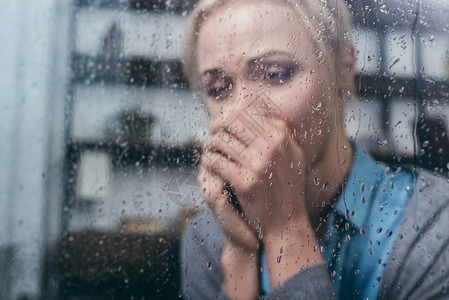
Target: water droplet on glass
(384, 9)
(317, 106)
(316, 180)
(388, 233)
(324, 186)
(347, 226)
(382, 143)
(379, 230)
(278, 259)
(319, 56)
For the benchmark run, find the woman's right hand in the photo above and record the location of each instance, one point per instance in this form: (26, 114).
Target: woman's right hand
(235, 227)
(240, 254)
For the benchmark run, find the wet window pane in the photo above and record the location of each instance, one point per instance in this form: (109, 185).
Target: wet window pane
(104, 135)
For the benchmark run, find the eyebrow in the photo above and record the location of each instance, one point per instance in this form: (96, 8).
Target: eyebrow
(271, 53)
(254, 59)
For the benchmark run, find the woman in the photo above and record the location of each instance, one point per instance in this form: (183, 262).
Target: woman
(297, 210)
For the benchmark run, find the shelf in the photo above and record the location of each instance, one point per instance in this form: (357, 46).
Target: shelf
(175, 6)
(134, 71)
(139, 71)
(129, 153)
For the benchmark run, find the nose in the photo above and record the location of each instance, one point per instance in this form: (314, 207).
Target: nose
(231, 109)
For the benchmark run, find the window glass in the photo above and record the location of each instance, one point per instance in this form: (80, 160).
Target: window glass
(103, 133)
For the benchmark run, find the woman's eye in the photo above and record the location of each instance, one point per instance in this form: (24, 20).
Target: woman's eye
(217, 85)
(277, 74)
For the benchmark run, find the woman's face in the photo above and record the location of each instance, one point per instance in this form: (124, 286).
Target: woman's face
(254, 55)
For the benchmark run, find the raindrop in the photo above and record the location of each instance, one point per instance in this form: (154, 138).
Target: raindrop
(348, 238)
(382, 143)
(209, 265)
(317, 106)
(281, 250)
(384, 9)
(357, 272)
(363, 231)
(316, 180)
(333, 274)
(324, 186)
(379, 230)
(387, 170)
(319, 56)
(388, 233)
(278, 259)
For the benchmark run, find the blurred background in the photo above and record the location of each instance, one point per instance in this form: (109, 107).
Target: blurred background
(100, 134)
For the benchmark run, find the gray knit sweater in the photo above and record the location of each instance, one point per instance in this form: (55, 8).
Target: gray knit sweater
(418, 266)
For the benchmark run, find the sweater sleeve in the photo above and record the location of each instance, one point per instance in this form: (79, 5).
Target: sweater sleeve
(201, 250)
(202, 272)
(312, 283)
(418, 267)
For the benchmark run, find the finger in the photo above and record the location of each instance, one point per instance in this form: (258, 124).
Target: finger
(211, 185)
(228, 217)
(240, 178)
(233, 223)
(227, 145)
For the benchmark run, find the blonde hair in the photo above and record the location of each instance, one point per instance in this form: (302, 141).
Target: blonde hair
(327, 20)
